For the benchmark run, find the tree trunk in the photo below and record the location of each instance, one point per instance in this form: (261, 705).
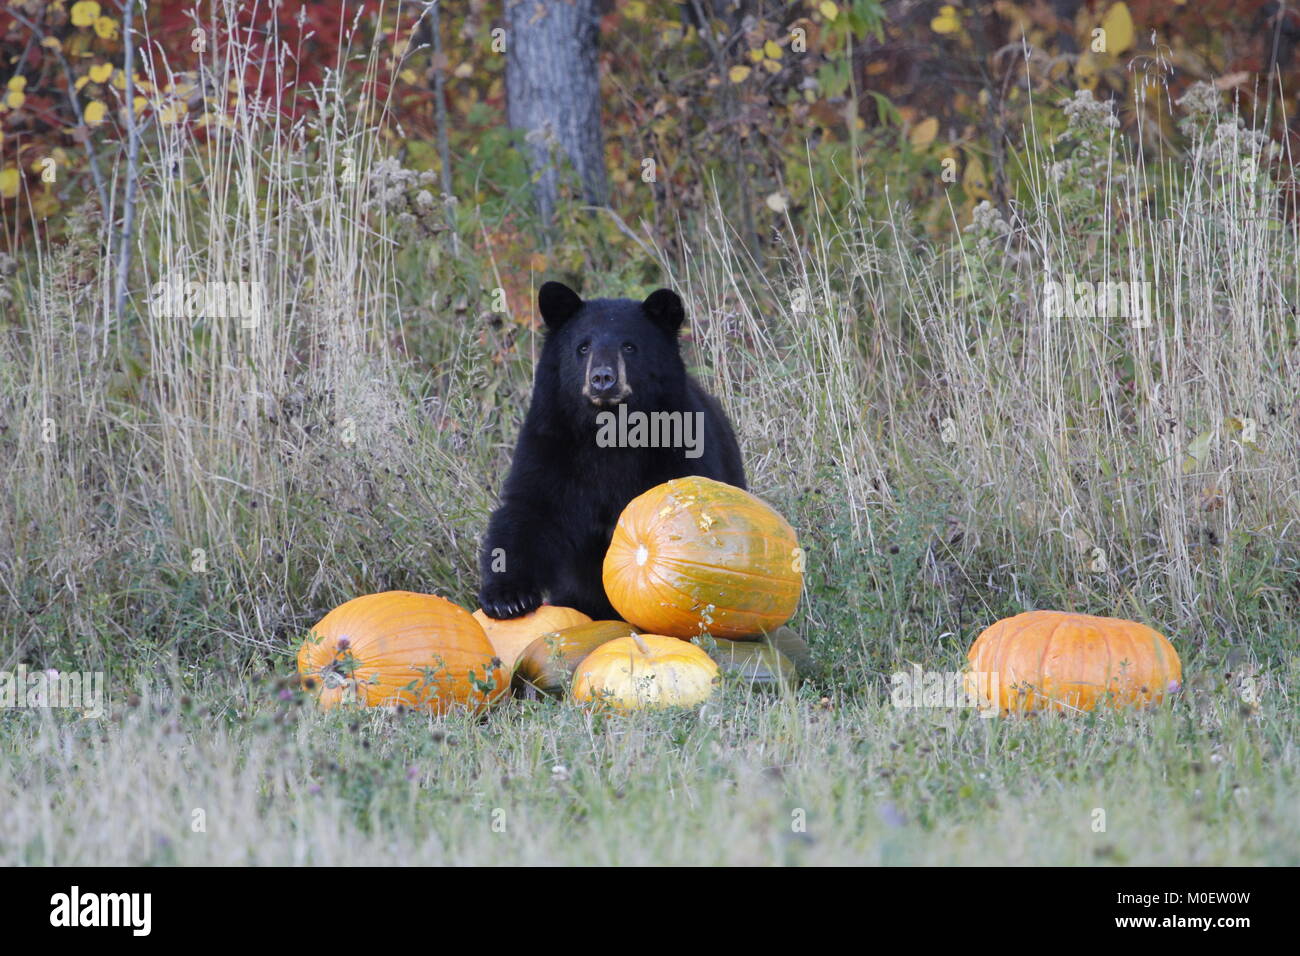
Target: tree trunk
(553, 94)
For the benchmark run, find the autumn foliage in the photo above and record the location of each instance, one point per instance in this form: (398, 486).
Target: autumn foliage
(735, 103)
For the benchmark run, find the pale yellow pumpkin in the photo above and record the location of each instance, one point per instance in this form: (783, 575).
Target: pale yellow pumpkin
(645, 670)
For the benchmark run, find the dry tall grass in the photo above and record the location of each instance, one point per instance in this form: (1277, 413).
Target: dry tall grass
(173, 478)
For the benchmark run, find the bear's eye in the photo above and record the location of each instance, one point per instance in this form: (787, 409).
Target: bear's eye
(584, 348)
(629, 348)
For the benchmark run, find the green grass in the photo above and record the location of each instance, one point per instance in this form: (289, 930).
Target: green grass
(749, 780)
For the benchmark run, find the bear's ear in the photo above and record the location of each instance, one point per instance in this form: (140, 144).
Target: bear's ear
(664, 308)
(557, 303)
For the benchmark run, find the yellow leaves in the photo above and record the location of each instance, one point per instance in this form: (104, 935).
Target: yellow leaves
(948, 20)
(635, 10)
(974, 180)
(45, 204)
(1118, 25)
(85, 13)
(77, 45)
(1086, 72)
(14, 94)
(52, 43)
(106, 28)
(768, 56)
(1198, 451)
(94, 113)
(739, 73)
(100, 72)
(828, 9)
(10, 180)
(215, 119)
(172, 112)
(924, 132)
(183, 85)
(1248, 428)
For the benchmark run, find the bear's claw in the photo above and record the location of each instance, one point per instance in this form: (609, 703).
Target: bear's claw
(504, 601)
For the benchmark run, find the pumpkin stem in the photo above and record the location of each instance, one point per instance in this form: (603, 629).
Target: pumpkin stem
(640, 644)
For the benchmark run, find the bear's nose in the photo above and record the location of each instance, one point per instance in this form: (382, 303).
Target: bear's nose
(603, 378)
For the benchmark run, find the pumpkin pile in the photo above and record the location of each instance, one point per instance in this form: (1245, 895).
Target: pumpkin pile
(688, 558)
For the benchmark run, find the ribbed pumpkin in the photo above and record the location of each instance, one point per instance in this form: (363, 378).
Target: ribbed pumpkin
(399, 647)
(645, 670)
(509, 638)
(548, 663)
(695, 554)
(1056, 660)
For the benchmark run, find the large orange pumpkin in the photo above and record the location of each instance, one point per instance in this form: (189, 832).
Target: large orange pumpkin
(1056, 660)
(645, 670)
(399, 647)
(695, 554)
(510, 637)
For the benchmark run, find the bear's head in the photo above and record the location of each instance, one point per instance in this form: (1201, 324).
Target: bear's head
(602, 353)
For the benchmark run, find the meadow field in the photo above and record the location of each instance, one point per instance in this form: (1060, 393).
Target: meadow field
(185, 497)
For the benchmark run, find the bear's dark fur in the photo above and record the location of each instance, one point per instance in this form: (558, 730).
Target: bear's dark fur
(548, 537)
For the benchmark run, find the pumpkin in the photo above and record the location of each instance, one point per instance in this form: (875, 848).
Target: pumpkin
(548, 663)
(399, 647)
(645, 670)
(756, 663)
(510, 637)
(1056, 660)
(695, 555)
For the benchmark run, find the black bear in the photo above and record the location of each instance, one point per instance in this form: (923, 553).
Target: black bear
(613, 414)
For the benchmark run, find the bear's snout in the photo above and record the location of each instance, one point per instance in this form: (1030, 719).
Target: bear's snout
(606, 384)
